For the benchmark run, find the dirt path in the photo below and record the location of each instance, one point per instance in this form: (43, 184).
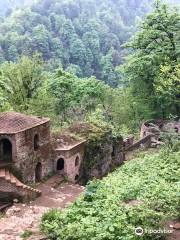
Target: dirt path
(21, 217)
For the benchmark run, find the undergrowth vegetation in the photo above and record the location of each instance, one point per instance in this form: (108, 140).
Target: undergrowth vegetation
(107, 211)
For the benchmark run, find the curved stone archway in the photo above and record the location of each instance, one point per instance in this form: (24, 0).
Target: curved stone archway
(5, 150)
(60, 164)
(38, 172)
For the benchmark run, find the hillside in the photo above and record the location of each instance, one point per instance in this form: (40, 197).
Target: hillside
(84, 37)
(143, 193)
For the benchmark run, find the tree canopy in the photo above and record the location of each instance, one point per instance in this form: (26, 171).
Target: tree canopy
(80, 44)
(152, 70)
(85, 36)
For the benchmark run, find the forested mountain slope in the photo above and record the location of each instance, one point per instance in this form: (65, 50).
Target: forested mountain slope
(89, 42)
(83, 36)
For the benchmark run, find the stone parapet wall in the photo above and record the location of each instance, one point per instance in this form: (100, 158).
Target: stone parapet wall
(9, 191)
(144, 142)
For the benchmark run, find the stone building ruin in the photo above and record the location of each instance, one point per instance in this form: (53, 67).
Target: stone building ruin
(25, 145)
(158, 125)
(68, 156)
(29, 152)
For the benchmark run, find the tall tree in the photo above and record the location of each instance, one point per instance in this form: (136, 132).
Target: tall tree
(155, 47)
(19, 82)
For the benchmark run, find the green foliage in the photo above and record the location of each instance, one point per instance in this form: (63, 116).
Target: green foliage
(167, 86)
(152, 69)
(105, 210)
(171, 140)
(91, 189)
(51, 215)
(43, 103)
(77, 33)
(85, 40)
(75, 95)
(62, 89)
(19, 82)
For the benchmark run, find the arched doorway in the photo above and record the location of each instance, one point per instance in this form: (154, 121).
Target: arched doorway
(5, 150)
(60, 164)
(38, 172)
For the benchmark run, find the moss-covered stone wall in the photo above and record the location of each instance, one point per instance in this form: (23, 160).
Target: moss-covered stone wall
(101, 156)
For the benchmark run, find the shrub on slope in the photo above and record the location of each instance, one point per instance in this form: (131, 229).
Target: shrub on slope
(106, 210)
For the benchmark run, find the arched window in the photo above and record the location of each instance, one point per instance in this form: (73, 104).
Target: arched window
(77, 161)
(36, 142)
(60, 164)
(38, 172)
(5, 150)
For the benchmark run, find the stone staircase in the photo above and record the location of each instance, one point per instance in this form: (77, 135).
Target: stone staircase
(9, 183)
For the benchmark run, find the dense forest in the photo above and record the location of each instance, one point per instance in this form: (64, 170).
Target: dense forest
(83, 37)
(54, 55)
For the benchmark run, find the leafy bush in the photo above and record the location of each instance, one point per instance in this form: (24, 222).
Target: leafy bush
(106, 211)
(171, 139)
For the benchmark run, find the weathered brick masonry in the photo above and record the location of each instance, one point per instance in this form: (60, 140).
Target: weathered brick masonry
(25, 144)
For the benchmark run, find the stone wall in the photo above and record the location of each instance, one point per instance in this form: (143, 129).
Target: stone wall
(100, 157)
(72, 161)
(9, 191)
(117, 153)
(26, 158)
(145, 142)
(159, 125)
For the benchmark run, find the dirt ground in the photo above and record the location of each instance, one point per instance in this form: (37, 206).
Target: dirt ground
(21, 217)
